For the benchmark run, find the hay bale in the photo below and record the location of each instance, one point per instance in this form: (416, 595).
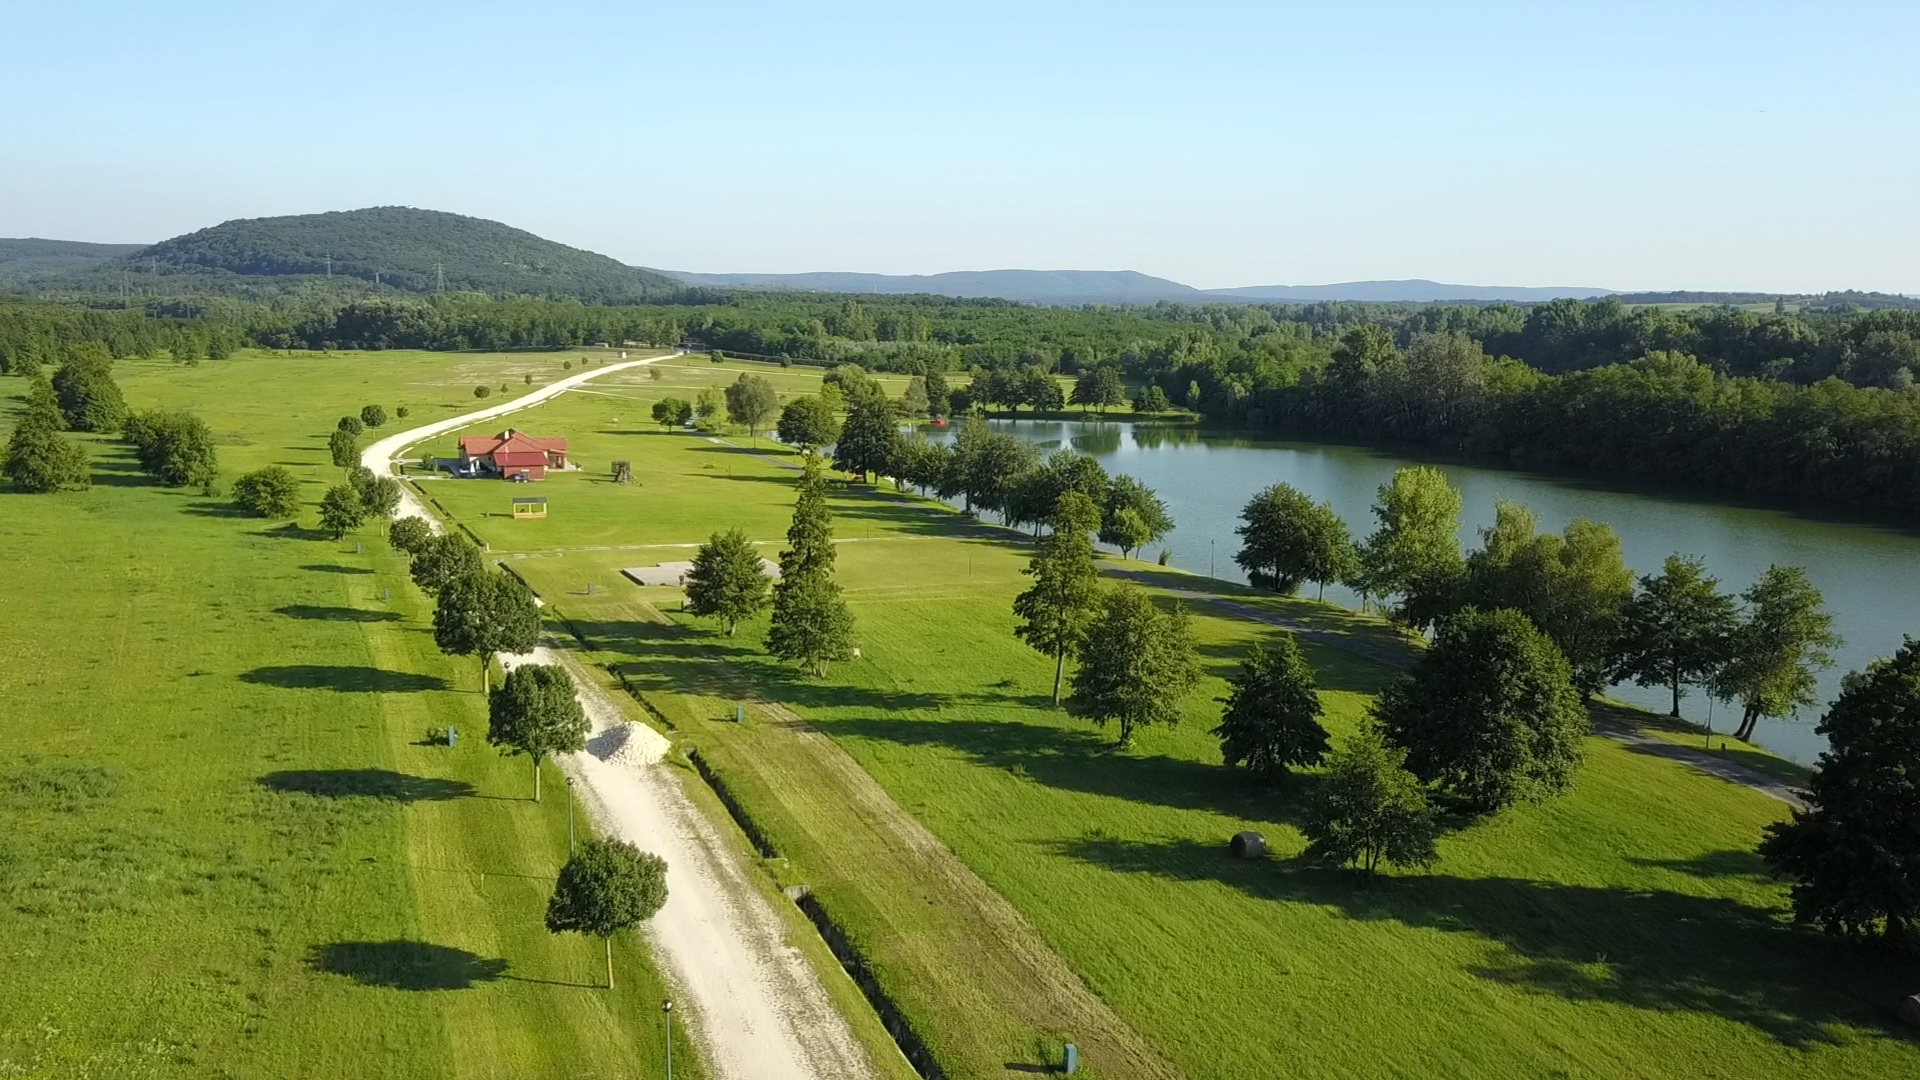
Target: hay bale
(1249, 845)
(1910, 1010)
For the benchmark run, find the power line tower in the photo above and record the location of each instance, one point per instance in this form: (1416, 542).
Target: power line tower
(329, 266)
(439, 278)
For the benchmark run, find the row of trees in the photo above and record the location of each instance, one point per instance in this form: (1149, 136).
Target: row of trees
(38, 458)
(1676, 629)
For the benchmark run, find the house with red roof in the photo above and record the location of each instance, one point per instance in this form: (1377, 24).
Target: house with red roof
(511, 454)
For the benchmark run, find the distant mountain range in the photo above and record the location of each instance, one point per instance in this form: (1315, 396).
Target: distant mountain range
(1122, 287)
(395, 249)
(30, 257)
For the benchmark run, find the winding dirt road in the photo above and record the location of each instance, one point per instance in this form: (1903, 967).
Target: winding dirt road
(751, 1001)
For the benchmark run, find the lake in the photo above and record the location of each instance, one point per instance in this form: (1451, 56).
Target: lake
(1869, 574)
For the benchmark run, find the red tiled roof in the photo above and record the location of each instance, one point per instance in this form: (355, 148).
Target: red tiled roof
(510, 442)
(514, 459)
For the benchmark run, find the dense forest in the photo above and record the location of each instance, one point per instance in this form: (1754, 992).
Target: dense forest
(385, 249)
(1817, 407)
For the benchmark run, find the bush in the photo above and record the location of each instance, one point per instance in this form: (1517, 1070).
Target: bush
(482, 391)
(351, 425)
(402, 412)
(175, 447)
(373, 415)
(272, 492)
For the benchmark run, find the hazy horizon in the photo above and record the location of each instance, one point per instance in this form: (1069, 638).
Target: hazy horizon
(1704, 145)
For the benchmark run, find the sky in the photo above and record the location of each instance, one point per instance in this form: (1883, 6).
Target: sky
(1689, 144)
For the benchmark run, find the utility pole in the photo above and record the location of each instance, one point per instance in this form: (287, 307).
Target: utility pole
(666, 1010)
(569, 817)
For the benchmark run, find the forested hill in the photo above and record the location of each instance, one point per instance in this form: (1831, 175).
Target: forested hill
(30, 257)
(385, 248)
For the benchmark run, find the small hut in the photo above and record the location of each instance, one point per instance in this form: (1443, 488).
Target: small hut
(1248, 845)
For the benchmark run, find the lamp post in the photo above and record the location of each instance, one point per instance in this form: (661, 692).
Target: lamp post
(569, 817)
(666, 1010)
(1209, 557)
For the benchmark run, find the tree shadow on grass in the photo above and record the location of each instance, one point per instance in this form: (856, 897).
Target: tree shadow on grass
(367, 783)
(332, 568)
(220, 510)
(292, 530)
(406, 965)
(1732, 863)
(335, 614)
(1087, 761)
(347, 680)
(1659, 951)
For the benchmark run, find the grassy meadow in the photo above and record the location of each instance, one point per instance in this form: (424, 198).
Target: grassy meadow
(231, 850)
(1625, 930)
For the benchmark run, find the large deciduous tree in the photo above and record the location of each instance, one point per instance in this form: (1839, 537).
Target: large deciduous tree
(727, 581)
(441, 559)
(1287, 538)
(1490, 714)
(1064, 598)
(1775, 653)
(536, 712)
(672, 412)
(1676, 630)
(1132, 516)
(1272, 716)
(341, 511)
(1415, 553)
(1369, 809)
(810, 422)
(752, 402)
(1854, 852)
(870, 439)
(175, 447)
(343, 449)
(89, 398)
(1574, 586)
(606, 887)
(486, 612)
(409, 535)
(1100, 388)
(1137, 664)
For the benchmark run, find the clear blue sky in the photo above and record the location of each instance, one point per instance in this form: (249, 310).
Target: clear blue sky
(1677, 144)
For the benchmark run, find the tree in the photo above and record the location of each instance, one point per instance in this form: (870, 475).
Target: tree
(727, 581)
(1133, 516)
(487, 391)
(380, 495)
(870, 439)
(175, 447)
(994, 469)
(1574, 586)
(708, 403)
(351, 425)
(1041, 390)
(402, 412)
(811, 624)
(939, 397)
(486, 612)
(1415, 553)
(341, 511)
(1676, 629)
(913, 400)
(373, 415)
(850, 380)
(536, 712)
(89, 398)
(1100, 388)
(1038, 493)
(1490, 714)
(343, 448)
(270, 492)
(1854, 852)
(606, 887)
(1287, 538)
(808, 422)
(40, 460)
(1064, 598)
(923, 463)
(441, 559)
(672, 412)
(410, 535)
(1272, 719)
(1138, 662)
(1370, 810)
(1151, 399)
(751, 402)
(1776, 650)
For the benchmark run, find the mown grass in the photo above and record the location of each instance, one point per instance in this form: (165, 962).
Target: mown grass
(1623, 930)
(229, 850)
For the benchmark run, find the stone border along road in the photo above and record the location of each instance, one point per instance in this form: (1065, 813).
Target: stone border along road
(751, 1001)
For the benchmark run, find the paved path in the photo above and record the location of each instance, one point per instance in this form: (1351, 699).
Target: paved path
(1620, 733)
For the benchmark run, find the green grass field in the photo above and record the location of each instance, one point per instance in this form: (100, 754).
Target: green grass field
(228, 851)
(1625, 930)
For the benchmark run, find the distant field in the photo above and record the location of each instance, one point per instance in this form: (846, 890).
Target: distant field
(1626, 930)
(228, 851)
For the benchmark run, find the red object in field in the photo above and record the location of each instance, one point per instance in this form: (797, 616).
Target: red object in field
(857, 478)
(939, 421)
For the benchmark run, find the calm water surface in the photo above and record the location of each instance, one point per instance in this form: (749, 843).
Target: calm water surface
(1869, 574)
